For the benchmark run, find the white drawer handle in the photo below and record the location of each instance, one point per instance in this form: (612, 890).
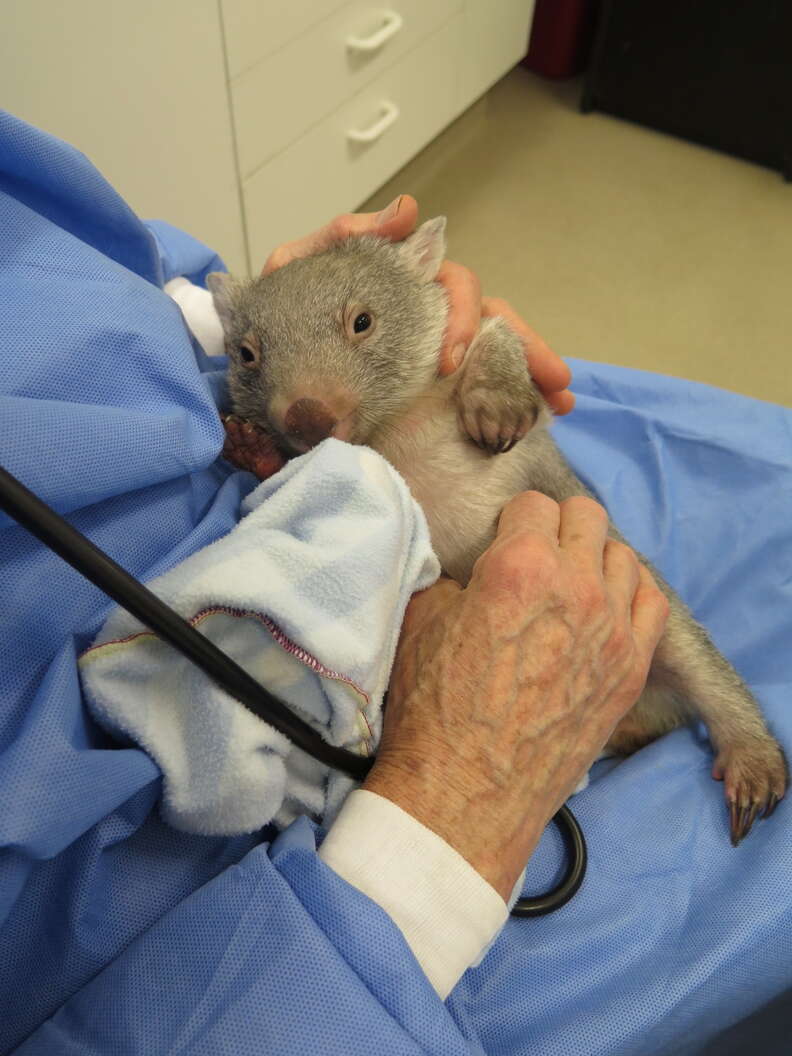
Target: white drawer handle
(391, 25)
(390, 112)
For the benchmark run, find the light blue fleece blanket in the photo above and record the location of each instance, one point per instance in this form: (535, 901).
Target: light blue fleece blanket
(307, 593)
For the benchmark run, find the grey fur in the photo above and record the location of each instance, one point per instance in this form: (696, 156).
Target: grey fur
(423, 425)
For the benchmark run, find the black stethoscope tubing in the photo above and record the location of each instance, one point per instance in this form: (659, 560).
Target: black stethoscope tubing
(78, 551)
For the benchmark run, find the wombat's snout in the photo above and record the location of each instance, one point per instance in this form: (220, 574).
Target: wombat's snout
(309, 421)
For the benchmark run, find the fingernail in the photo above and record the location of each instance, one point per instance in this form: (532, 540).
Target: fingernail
(457, 354)
(390, 212)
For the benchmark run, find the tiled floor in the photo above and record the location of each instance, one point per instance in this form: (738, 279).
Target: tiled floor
(615, 242)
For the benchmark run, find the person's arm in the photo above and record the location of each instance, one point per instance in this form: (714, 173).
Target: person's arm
(504, 693)
(501, 697)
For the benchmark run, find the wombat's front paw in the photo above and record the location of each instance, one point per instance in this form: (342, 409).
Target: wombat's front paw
(249, 448)
(497, 402)
(755, 777)
(493, 420)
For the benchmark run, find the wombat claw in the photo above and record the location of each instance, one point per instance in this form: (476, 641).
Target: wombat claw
(489, 426)
(742, 817)
(755, 776)
(740, 821)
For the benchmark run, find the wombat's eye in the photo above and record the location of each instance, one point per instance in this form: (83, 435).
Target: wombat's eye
(249, 353)
(359, 322)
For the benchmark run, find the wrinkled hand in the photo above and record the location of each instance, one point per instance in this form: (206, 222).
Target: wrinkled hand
(462, 287)
(504, 693)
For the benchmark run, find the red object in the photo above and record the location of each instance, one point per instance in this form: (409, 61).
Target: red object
(249, 448)
(561, 37)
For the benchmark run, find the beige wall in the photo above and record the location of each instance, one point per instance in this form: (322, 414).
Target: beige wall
(149, 107)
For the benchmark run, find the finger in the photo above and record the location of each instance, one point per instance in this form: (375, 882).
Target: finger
(426, 604)
(395, 222)
(548, 370)
(464, 313)
(650, 610)
(583, 529)
(561, 402)
(620, 571)
(530, 511)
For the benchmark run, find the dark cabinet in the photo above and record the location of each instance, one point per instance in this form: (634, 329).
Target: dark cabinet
(718, 72)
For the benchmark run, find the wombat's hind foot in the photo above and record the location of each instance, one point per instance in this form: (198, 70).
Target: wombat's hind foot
(755, 777)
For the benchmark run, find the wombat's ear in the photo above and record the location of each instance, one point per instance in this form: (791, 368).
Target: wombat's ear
(222, 288)
(424, 250)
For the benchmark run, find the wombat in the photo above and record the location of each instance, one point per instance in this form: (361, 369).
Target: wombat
(345, 343)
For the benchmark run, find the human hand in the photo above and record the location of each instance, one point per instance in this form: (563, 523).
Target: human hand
(396, 221)
(466, 307)
(504, 693)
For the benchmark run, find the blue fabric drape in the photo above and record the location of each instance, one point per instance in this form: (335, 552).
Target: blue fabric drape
(120, 935)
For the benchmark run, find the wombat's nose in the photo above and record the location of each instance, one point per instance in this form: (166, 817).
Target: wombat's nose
(309, 421)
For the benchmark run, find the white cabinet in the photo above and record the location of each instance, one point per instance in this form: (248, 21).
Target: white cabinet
(284, 95)
(296, 111)
(327, 171)
(494, 38)
(255, 29)
(249, 122)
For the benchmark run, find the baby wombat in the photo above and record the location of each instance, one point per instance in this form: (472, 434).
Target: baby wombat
(346, 343)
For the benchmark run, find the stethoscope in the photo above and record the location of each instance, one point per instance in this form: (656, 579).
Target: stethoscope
(57, 534)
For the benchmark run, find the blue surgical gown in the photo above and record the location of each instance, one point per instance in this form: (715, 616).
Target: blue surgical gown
(119, 935)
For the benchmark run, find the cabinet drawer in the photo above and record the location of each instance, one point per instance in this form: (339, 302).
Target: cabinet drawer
(255, 28)
(495, 38)
(284, 95)
(327, 172)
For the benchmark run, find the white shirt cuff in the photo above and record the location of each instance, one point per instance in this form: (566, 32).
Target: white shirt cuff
(447, 912)
(199, 313)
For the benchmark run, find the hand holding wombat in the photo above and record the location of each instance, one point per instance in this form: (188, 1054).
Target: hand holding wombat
(345, 344)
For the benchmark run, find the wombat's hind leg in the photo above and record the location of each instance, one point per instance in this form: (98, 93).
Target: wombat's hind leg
(655, 714)
(497, 402)
(748, 759)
